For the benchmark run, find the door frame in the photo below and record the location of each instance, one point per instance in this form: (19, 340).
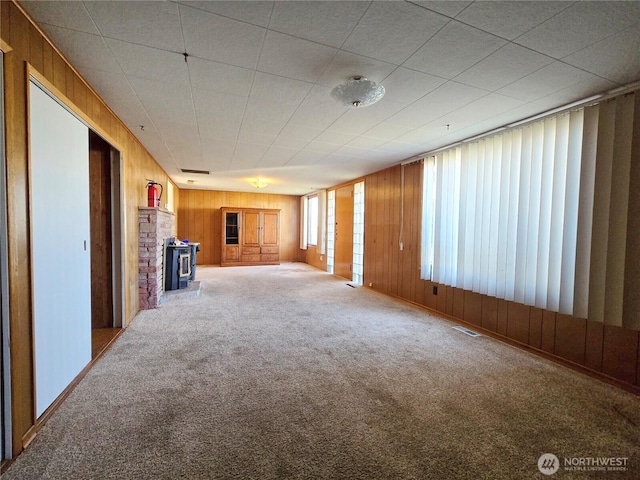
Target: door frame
(5, 361)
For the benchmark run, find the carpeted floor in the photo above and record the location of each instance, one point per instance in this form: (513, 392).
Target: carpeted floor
(286, 372)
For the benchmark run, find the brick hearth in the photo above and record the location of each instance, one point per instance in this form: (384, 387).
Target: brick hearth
(155, 225)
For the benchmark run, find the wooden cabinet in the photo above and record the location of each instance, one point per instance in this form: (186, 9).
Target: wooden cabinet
(250, 236)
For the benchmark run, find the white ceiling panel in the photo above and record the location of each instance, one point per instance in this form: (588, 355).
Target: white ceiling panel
(603, 57)
(209, 104)
(247, 155)
(329, 23)
(290, 142)
(454, 49)
(254, 136)
(306, 157)
(359, 120)
(318, 110)
(278, 90)
(150, 63)
(486, 107)
(543, 82)
(503, 67)
(294, 130)
(509, 19)
(363, 141)
(123, 100)
(444, 99)
(154, 24)
(323, 147)
(581, 25)
(422, 135)
(575, 92)
(333, 137)
(311, 58)
(165, 103)
(255, 88)
(84, 49)
(346, 65)
(254, 12)
(71, 15)
(219, 77)
(450, 8)
(406, 86)
(213, 37)
(276, 156)
(392, 31)
(388, 131)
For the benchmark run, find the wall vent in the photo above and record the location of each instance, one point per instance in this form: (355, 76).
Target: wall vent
(466, 331)
(201, 172)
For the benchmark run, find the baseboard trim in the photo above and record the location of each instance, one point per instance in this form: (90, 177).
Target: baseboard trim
(526, 347)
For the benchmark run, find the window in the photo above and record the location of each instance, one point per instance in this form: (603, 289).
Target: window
(500, 215)
(312, 220)
(358, 233)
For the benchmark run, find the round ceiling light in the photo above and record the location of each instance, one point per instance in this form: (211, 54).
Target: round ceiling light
(358, 92)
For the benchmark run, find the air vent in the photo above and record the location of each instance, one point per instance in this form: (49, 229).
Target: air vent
(466, 331)
(201, 172)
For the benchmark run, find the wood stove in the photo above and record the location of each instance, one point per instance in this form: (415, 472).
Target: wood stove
(177, 266)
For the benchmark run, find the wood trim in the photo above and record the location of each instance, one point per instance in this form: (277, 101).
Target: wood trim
(4, 46)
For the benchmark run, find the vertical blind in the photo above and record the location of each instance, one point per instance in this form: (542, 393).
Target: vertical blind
(500, 215)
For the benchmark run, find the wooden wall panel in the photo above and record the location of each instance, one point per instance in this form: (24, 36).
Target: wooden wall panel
(490, 313)
(199, 220)
(503, 317)
(29, 46)
(472, 308)
(548, 334)
(571, 336)
(518, 322)
(594, 345)
(620, 351)
(535, 327)
(458, 303)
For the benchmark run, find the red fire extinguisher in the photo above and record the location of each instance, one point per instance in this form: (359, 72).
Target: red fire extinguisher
(153, 193)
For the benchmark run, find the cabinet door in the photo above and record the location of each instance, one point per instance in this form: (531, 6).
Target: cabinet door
(270, 231)
(251, 229)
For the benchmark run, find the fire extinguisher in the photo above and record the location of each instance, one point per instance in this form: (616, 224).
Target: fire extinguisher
(153, 193)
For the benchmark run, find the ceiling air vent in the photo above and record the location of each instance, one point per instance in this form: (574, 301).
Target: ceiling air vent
(201, 172)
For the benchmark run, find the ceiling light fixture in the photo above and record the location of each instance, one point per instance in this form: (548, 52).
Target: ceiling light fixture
(259, 183)
(358, 92)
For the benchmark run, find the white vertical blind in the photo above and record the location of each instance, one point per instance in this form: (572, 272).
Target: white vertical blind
(503, 211)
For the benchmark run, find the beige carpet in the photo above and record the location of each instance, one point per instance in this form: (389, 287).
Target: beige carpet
(286, 372)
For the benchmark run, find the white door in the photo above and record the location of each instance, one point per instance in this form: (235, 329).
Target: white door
(61, 274)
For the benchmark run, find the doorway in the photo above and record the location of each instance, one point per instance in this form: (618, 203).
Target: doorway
(106, 313)
(343, 233)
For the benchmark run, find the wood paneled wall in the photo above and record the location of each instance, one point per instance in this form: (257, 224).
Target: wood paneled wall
(199, 220)
(607, 349)
(27, 45)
